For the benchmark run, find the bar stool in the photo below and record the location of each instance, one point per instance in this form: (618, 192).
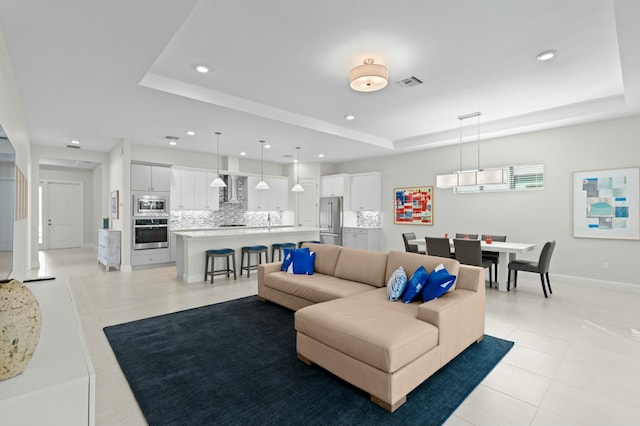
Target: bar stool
(248, 250)
(308, 241)
(222, 253)
(280, 247)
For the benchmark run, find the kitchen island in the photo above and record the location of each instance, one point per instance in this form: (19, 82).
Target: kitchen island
(192, 245)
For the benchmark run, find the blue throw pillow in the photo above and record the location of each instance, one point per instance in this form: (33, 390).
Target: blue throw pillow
(303, 262)
(397, 283)
(439, 281)
(415, 285)
(288, 257)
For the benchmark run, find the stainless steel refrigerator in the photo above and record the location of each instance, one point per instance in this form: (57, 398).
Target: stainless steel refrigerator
(331, 220)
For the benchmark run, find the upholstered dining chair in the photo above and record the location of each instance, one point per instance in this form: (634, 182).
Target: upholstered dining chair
(438, 246)
(540, 267)
(413, 248)
(470, 236)
(469, 252)
(493, 255)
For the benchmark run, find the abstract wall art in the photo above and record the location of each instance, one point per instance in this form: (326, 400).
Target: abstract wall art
(605, 204)
(414, 206)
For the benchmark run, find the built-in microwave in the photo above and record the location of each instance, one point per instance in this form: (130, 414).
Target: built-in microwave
(150, 205)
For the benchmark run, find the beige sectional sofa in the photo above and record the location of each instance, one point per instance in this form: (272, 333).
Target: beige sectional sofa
(346, 325)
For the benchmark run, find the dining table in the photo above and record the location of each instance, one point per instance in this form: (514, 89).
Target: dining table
(507, 252)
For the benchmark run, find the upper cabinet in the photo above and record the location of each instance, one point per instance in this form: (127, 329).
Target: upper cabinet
(365, 191)
(147, 177)
(334, 186)
(272, 199)
(190, 190)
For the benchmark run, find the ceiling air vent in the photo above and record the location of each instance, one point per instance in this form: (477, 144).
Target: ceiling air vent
(171, 138)
(409, 82)
(73, 146)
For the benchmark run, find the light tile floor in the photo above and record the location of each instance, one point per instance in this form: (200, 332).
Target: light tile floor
(576, 360)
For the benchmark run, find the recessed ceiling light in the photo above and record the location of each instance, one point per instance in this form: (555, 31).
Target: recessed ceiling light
(267, 146)
(349, 117)
(190, 132)
(546, 55)
(202, 68)
(173, 143)
(75, 142)
(321, 155)
(243, 153)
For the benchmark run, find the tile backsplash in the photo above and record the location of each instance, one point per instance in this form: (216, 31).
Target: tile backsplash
(368, 219)
(229, 214)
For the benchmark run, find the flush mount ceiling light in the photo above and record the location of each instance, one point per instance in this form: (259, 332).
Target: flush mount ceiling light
(297, 187)
(546, 55)
(368, 77)
(262, 184)
(218, 182)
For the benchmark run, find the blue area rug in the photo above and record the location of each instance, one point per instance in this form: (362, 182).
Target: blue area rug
(235, 363)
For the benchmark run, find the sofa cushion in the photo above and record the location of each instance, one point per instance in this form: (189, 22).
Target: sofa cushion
(288, 257)
(363, 266)
(326, 257)
(415, 284)
(315, 288)
(383, 338)
(302, 262)
(438, 282)
(396, 284)
(411, 262)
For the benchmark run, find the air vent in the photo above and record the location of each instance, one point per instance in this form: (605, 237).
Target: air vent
(73, 146)
(409, 82)
(171, 138)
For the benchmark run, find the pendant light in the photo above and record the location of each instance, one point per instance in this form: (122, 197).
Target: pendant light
(297, 187)
(218, 182)
(262, 184)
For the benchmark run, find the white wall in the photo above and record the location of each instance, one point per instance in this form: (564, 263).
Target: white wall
(15, 125)
(530, 216)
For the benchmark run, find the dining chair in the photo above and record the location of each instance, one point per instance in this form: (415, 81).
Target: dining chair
(540, 267)
(469, 252)
(413, 248)
(438, 246)
(493, 255)
(470, 236)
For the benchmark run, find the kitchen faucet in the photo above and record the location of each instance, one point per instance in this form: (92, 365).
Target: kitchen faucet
(269, 221)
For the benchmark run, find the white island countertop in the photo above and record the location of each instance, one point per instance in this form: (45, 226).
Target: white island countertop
(240, 231)
(191, 245)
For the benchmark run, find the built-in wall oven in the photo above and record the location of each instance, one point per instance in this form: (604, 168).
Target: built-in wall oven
(150, 233)
(150, 205)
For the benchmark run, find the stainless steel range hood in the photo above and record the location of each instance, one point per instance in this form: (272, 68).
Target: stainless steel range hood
(231, 191)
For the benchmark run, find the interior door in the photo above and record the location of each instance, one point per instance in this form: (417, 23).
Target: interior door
(307, 203)
(64, 221)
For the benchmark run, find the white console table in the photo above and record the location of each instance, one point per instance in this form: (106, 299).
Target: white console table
(109, 248)
(58, 385)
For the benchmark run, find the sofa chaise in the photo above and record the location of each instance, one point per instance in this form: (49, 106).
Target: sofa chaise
(346, 324)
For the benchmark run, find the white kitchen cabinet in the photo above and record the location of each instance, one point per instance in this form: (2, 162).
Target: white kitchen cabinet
(258, 199)
(109, 248)
(150, 257)
(334, 185)
(279, 195)
(172, 246)
(361, 238)
(150, 178)
(274, 198)
(190, 190)
(365, 192)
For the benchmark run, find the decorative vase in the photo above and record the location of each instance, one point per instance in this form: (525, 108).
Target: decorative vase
(19, 327)
(488, 240)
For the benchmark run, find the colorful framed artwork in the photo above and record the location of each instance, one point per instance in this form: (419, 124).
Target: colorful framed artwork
(115, 208)
(413, 206)
(605, 204)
